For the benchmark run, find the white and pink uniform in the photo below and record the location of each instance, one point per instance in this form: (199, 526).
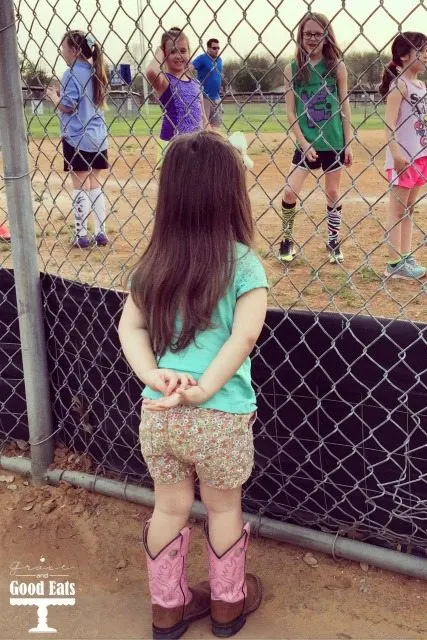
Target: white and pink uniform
(411, 136)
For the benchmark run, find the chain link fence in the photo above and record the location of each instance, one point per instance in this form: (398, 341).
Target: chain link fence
(340, 436)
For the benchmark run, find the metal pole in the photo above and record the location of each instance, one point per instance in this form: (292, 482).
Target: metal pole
(294, 534)
(24, 249)
(142, 48)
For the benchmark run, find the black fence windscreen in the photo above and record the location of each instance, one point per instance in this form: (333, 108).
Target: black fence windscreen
(342, 410)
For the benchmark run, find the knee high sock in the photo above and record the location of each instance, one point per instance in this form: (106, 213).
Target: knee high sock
(288, 217)
(81, 208)
(334, 224)
(98, 207)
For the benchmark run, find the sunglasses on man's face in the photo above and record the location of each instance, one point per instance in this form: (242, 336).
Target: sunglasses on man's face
(215, 48)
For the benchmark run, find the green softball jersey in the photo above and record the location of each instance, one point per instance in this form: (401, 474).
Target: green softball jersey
(318, 107)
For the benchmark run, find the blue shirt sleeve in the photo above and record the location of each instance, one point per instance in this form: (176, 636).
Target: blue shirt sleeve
(250, 273)
(70, 93)
(198, 63)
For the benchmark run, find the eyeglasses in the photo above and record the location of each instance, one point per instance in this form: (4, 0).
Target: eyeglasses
(308, 35)
(215, 48)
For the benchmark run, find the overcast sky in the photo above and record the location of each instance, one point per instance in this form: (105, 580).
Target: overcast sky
(113, 23)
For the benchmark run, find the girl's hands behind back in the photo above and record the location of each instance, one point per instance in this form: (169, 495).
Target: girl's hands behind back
(167, 381)
(192, 395)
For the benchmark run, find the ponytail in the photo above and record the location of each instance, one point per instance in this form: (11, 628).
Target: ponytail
(390, 73)
(100, 79)
(402, 46)
(88, 48)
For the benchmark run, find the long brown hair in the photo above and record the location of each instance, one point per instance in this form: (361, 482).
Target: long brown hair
(203, 208)
(79, 40)
(331, 52)
(402, 45)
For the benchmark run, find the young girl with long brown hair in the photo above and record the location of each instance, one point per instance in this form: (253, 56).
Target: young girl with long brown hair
(318, 110)
(197, 305)
(80, 101)
(406, 156)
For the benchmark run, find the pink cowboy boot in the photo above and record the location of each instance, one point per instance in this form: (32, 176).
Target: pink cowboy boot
(234, 593)
(174, 604)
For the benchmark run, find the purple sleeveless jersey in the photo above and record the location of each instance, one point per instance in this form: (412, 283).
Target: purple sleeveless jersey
(182, 109)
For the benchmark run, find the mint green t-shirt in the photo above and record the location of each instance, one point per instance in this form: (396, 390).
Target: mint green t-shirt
(237, 395)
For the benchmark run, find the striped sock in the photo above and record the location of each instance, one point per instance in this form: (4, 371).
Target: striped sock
(288, 218)
(334, 224)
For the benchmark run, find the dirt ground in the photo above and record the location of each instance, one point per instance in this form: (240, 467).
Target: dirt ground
(95, 541)
(310, 282)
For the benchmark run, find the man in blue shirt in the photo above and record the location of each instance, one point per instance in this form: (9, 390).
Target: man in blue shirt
(209, 72)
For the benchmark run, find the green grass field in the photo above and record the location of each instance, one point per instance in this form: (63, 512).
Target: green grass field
(251, 117)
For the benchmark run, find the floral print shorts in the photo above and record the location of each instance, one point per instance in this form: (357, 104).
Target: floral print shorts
(184, 441)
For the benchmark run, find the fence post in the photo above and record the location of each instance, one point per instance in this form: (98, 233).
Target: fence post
(24, 249)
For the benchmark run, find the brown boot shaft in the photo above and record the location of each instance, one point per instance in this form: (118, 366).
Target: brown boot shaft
(234, 593)
(174, 604)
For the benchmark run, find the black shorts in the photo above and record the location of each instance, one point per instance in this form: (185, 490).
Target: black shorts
(76, 160)
(328, 160)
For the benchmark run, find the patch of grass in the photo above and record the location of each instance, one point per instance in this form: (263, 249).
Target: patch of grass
(338, 275)
(349, 295)
(340, 287)
(367, 274)
(345, 293)
(310, 292)
(97, 257)
(300, 261)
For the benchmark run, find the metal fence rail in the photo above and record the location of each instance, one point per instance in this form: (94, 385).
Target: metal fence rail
(325, 455)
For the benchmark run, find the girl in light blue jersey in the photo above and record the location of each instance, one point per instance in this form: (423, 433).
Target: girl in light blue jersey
(197, 305)
(84, 133)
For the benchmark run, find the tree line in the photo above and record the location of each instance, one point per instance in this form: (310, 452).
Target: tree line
(264, 73)
(246, 75)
